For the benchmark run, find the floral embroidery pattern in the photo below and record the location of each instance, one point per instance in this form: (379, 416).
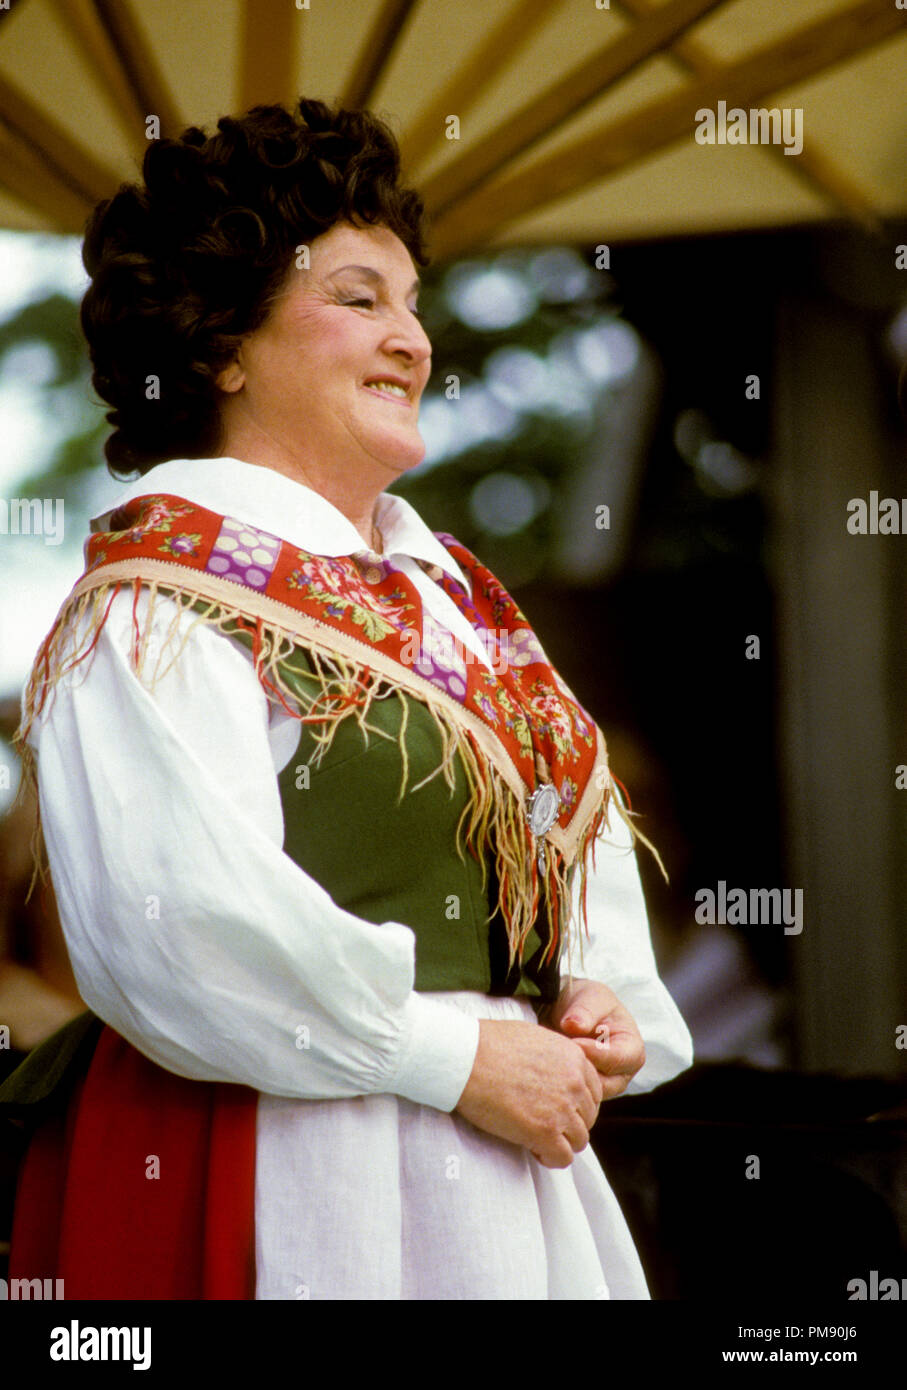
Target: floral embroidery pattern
(551, 714)
(522, 701)
(318, 570)
(374, 625)
(326, 581)
(486, 707)
(159, 516)
(515, 721)
(568, 790)
(183, 544)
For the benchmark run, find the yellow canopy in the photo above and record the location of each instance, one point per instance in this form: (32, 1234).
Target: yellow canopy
(520, 120)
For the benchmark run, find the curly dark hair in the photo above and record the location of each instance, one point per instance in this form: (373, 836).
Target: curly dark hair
(185, 263)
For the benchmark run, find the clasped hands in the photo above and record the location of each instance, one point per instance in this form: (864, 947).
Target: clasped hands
(541, 1087)
(592, 1016)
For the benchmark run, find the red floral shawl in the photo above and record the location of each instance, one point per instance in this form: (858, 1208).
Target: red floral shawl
(517, 727)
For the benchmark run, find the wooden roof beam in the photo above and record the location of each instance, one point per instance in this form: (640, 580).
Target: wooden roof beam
(23, 173)
(125, 43)
(554, 105)
(269, 53)
(69, 163)
(812, 166)
(376, 52)
(94, 43)
(461, 90)
(619, 144)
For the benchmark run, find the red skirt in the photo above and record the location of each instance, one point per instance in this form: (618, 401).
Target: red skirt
(143, 1189)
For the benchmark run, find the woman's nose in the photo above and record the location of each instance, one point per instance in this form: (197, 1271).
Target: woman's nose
(407, 335)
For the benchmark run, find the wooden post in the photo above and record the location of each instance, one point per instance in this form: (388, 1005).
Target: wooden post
(839, 703)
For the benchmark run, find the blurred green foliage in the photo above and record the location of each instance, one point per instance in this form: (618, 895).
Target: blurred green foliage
(66, 394)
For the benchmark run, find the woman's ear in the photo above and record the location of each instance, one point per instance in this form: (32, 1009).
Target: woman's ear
(232, 378)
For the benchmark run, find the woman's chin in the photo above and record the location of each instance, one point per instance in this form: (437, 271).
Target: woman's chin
(403, 458)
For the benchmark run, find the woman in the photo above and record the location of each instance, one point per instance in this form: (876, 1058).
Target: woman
(318, 810)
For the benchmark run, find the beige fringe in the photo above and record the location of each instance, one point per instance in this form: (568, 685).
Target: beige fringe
(338, 688)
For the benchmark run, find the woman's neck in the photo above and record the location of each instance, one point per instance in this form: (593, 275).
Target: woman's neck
(354, 496)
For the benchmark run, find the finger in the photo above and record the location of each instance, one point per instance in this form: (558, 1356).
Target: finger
(594, 1085)
(619, 1017)
(626, 1043)
(620, 1023)
(578, 1023)
(557, 1154)
(600, 1058)
(590, 1071)
(592, 999)
(588, 1103)
(613, 1086)
(627, 1053)
(585, 1022)
(610, 1083)
(620, 1057)
(576, 1132)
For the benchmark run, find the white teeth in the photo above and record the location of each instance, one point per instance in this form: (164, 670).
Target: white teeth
(390, 386)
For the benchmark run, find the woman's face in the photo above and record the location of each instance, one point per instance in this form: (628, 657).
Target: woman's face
(308, 382)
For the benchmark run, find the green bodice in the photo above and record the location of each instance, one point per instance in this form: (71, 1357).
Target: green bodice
(390, 858)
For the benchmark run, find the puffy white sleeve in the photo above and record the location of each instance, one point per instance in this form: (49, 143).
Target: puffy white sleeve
(190, 931)
(618, 952)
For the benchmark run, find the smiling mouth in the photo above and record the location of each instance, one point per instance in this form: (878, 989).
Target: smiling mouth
(390, 390)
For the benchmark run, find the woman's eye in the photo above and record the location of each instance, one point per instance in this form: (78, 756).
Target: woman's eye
(370, 304)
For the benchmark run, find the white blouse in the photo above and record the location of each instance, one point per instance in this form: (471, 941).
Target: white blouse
(190, 931)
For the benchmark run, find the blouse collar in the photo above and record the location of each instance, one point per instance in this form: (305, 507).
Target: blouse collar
(273, 502)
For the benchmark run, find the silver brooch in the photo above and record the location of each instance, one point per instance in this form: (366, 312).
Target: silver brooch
(542, 810)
